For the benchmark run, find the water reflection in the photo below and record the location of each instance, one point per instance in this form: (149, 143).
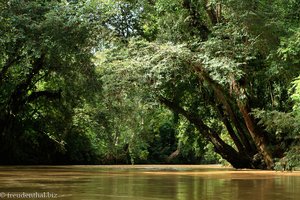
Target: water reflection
(146, 183)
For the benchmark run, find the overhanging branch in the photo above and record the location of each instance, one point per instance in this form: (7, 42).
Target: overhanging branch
(47, 94)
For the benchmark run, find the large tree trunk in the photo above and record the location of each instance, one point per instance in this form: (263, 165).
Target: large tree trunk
(235, 158)
(251, 127)
(229, 108)
(257, 135)
(256, 132)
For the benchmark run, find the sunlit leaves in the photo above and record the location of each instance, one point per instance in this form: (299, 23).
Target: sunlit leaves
(290, 47)
(296, 96)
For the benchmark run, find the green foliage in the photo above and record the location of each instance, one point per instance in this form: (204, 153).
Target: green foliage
(83, 81)
(120, 99)
(286, 127)
(46, 45)
(192, 145)
(296, 96)
(290, 47)
(210, 156)
(290, 161)
(243, 55)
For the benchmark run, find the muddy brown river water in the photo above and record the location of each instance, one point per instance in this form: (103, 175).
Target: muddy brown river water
(146, 182)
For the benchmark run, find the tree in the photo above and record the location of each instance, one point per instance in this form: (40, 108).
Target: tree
(96, 81)
(214, 62)
(46, 71)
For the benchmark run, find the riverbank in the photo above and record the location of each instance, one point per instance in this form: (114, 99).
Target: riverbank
(211, 169)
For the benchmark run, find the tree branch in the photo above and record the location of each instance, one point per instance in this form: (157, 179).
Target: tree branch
(230, 130)
(6, 66)
(48, 94)
(18, 95)
(196, 20)
(226, 151)
(211, 13)
(228, 104)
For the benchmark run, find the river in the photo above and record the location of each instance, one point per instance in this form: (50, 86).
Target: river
(146, 182)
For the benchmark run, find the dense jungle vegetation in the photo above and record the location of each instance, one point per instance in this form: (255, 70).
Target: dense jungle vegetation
(150, 81)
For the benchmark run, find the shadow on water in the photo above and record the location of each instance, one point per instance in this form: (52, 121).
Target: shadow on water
(188, 182)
